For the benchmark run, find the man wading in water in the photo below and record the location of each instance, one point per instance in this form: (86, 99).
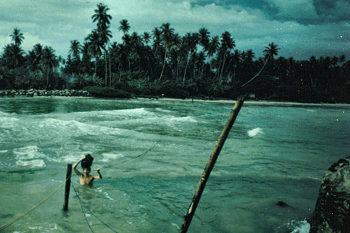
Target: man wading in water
(86, 162)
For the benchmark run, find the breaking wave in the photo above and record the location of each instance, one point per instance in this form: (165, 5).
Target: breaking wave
(29, 156)
(254, 132)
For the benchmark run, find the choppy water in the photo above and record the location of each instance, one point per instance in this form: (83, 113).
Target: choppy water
(272, 154)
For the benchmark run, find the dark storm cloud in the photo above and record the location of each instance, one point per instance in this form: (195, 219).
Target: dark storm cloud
(301, 11)
(332, 10)
(301, 28)
(310, 11)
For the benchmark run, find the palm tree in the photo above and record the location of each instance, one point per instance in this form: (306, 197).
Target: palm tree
(271, 51)
(156, 40)
(48, 62)
(227, 43)
(35, 56)
(32, 61)
(126, 49)
(95, 44)
(166, 36)
(75, 49)
(17, 37)
(146, 37)
(213, 47)
(250, 55)
(124, 26)
(200, 61)
(105, 35)
(204, 38)
(103, 22)
(190, 42)
(342, 59)
(13, 55)
(314, 71)
(38, 49)
(136, 49)
(101, 16)
(86, 51)
(174, 49)
(335, 61)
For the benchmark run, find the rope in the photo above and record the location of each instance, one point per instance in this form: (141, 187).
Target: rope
(87, 222)
(134, 157)
(91, 211)
(138, 156)
(14, 220)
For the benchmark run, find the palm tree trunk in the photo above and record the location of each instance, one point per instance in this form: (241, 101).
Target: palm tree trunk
(194, 67)
(106, 75)
(120, 73)
(161, 74)
(184, 78)
(223, 64)
(110, 70)
(47, 78)
(95, 67)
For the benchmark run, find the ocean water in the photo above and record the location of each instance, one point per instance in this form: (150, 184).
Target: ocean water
(152, 154)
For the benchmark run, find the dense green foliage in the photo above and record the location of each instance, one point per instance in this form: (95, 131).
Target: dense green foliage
(163, 62)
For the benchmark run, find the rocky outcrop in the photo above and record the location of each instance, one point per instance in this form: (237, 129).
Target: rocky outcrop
(332, 211)
(33, 92)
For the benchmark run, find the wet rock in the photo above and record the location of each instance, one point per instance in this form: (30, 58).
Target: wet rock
(332, 211)
(34, 92)
(282, 203)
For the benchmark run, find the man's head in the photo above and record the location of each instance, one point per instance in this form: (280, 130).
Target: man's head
(87, 162)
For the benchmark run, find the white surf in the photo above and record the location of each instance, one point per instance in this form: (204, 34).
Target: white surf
(254, 132)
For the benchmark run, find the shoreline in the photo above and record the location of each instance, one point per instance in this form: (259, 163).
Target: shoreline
(84, 94)
(255, 102)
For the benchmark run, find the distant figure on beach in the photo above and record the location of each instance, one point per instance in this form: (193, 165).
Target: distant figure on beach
(86, 178)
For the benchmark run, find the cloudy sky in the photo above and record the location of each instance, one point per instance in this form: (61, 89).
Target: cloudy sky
(300, 28)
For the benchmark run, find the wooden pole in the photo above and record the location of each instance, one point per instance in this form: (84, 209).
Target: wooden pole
(67, 189)
(210, 165)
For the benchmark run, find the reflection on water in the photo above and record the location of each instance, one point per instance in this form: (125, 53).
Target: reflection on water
(152, 154)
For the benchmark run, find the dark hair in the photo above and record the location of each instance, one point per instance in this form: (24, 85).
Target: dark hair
(87, 162)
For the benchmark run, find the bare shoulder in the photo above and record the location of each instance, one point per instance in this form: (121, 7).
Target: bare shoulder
(97, 177)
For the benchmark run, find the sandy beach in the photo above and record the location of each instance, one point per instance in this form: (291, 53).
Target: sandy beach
(256, 102)
(220, 101)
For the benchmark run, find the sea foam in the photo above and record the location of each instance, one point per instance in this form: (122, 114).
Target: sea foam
(303, 227)
(28, 157)
(254, 132)
(110, 157)
(78, 128)
(184, 119)
(7, 121)
(31, 163)
(28, 152)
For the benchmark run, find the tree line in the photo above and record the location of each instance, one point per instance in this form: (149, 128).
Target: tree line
(163, 62)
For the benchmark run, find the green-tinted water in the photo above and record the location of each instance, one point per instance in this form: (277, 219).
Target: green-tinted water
(150, 192)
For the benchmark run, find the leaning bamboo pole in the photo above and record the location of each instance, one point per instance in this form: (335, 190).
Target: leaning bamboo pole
(210, 165)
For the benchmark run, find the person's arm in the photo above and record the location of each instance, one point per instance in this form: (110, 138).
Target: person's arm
(99, 174)
(75, 167)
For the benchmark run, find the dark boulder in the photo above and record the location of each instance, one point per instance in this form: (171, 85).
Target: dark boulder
(281, 203)
(332, 211)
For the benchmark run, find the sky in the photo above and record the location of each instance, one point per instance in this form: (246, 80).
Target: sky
(300, 28)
